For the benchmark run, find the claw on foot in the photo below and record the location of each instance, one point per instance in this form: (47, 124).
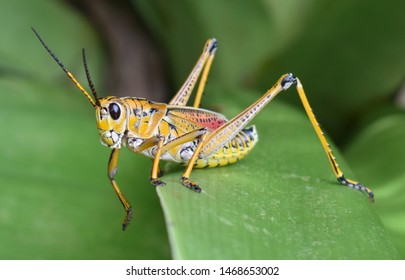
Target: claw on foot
(189, 184)
(157, 182)
(127, 219)
(357, 186)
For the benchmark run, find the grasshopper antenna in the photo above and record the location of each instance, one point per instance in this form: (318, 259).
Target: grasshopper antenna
(91, 85)
(70, 75)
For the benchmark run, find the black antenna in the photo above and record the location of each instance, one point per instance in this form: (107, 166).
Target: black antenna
(91, 85)
(70, 75)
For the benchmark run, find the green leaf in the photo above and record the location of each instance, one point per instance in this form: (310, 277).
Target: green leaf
(377, 154)
(280, 202)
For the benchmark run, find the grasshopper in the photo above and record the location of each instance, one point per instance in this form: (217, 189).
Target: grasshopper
(191, 136)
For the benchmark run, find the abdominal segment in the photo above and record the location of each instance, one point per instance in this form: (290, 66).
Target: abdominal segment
(230, 152)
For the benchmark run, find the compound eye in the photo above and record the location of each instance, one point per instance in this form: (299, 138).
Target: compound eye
(115, 111)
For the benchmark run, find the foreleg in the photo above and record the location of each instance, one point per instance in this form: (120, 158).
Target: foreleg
(112, 171)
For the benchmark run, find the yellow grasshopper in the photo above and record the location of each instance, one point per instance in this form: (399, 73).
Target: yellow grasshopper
(192, 136)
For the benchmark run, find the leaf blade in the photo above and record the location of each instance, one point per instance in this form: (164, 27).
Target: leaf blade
(279, 207)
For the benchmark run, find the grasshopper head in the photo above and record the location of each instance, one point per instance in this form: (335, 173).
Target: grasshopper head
(111, 112)
(111, 117)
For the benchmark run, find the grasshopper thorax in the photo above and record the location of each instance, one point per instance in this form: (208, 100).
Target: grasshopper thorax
(111, 117)
(132, 119)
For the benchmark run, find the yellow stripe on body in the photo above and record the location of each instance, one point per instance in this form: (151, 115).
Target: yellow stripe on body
(231, 152)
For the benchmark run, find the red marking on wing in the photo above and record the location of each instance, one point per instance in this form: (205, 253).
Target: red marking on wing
(197, 116)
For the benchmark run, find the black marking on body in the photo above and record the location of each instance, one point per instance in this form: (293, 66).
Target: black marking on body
(152, 111)
(137, 112)
(333, 163)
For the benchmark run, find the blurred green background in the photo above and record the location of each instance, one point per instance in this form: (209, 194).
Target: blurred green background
(55, 198)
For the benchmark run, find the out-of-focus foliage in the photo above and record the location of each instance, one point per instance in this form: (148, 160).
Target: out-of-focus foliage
(348, 54)
(385, 138)
(56, 201)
